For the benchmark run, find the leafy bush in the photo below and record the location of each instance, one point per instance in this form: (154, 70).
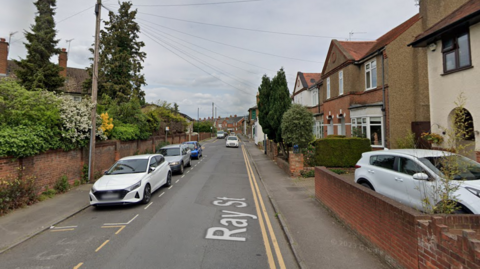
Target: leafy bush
(406, 142)
(161, 145)
(62, 185)
(48, 193)
(125, 132)
(23, 141)
(309, 156)
(307, 173)
(15, 193)
(296, 126)
(338, 171)
(340, 152)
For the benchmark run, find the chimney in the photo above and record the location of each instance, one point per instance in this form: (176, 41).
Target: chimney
(62, 62)
(258, 98)
(235, 115)
(230, 116)
(3, 57)
(218, 117)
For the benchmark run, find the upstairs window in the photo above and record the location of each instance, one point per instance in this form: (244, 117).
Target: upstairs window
(315, 97)
(456, 53)
(340, 82)
(328, 88)
(254, 114)
(371, 75)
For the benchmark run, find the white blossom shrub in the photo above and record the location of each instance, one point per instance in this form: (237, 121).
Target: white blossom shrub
(76, 120)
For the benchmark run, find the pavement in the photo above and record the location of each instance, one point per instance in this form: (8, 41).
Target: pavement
(316, 238)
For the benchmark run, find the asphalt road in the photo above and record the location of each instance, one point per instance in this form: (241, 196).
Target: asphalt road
(216, 215)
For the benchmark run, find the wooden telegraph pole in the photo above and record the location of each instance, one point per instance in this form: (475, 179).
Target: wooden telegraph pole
(91, 155)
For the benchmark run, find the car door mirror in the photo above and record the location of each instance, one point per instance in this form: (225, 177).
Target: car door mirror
(151, 169)
(420, 176)
(105, 172)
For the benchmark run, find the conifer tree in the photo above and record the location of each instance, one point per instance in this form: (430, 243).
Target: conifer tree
(36, 71)
(264, 92)
(120, 58)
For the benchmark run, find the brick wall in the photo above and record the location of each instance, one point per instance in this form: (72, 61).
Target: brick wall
(400, 235)
(295, 161)
(283, 165)
(449, 242)
(49, 166)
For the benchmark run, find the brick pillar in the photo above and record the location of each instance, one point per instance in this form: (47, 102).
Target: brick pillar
(295, 161)
(62, 62)
(3, 57)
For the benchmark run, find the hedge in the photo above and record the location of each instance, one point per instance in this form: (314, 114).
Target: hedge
(340, 152)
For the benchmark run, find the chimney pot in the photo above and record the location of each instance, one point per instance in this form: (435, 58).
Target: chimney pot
(235, 115)
(64, 49)
(2, 39)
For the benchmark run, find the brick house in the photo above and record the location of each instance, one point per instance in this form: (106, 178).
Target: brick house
(74, 77)
(376, 89)
(306, 93)
(452, 41)
(232, 123)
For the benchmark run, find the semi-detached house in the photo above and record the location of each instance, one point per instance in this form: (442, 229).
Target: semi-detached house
(452, 41)
(376, 89)
(306, 93)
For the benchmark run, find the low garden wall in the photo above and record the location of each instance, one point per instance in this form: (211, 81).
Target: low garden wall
(400, 235)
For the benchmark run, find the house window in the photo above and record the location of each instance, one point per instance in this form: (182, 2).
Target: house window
(371, 75)
(456, 53)
(328, 88)
(340, 82)
(369, 127)
(341, 127)
(254, 114)
(318, 128)
(315, 97)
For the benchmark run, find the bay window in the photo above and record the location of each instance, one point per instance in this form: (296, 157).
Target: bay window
(369, 127)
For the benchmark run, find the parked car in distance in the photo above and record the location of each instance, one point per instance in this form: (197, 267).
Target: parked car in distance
(232, 141)
(195, 149)
(131, 180)
(232, 134)
(411, 175)
(220, 134)
(178, 156)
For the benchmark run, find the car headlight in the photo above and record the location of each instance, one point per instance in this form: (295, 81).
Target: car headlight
(93, 190)
(174, 163)
(473, 191)
(134, 186)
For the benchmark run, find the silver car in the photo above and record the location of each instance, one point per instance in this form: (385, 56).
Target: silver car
(178, 156)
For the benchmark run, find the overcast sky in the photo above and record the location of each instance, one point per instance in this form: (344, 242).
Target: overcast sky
(196, 52)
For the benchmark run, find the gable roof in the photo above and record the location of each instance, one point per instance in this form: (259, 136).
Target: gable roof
(468, 12)
(361, 49)
(308, 80)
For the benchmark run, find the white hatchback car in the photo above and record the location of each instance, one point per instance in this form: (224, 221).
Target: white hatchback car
(411, 175)
(232, 141)
(131, 180)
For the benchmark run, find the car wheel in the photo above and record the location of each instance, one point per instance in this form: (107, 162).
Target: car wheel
(181, 168)
(147, 194)
(169, 180)
(366, 185)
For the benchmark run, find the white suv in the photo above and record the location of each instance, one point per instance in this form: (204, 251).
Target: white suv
(411, 175)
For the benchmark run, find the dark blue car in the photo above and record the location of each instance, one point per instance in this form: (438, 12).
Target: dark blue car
(195, 149)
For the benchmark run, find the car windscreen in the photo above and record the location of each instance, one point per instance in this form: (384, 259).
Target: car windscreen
(191, 146)
(461, 168)
(232, 138)
(219, 133)
(129, 167)
(170, 152)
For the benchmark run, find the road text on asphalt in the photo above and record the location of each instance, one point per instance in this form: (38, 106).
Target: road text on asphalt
(235, 219)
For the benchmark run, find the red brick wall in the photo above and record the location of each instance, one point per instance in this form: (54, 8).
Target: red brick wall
(295, 161)
(443, 244)
(283, 165)
(380, 222)
(402, 236)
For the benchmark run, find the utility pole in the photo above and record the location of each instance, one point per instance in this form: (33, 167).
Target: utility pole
(198, 124)
(213, 108)
(10, 41)
(91, 157)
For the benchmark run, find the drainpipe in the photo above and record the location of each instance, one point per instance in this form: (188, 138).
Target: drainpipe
(384, 111)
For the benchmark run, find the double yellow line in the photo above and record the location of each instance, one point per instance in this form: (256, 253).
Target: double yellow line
(263, 218)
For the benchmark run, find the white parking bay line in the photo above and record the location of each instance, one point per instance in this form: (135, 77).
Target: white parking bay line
(196, 165)
(183, 176)
(170, 187)
(122, 223)
(188, 171)
(177, 181)
(64, 227)
(161, 194)
(149, 205)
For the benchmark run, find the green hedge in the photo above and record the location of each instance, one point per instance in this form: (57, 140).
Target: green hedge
(340, 152)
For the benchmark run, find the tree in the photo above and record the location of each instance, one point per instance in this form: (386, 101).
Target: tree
(297, 125)
(279, 102)
(264, 92)
(120, 58)
(36, 71)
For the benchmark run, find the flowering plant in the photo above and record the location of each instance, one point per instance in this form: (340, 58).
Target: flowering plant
(432, 138)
